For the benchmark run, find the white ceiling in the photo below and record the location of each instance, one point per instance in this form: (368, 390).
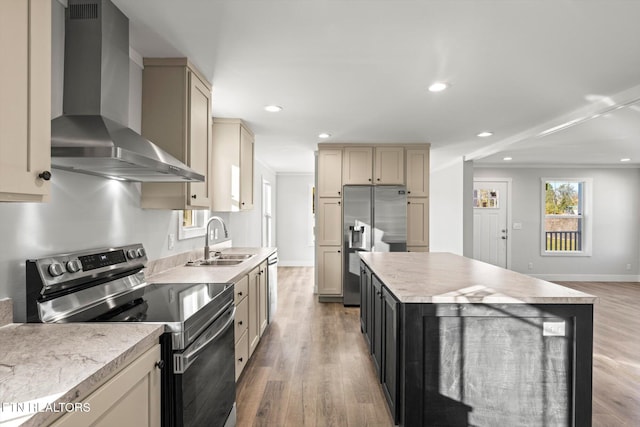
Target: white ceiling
(360, 71)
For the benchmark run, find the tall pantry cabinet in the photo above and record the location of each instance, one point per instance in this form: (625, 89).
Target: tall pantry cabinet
(25, 100)
(375, 164)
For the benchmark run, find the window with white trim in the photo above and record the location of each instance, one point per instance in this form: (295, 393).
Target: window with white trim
(566, 222)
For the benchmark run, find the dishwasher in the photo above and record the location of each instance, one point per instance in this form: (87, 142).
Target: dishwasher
(272, 285)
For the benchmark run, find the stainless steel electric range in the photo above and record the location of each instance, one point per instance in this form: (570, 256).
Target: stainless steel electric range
(108, 285)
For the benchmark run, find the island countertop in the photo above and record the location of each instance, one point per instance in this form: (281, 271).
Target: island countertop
(54, 364)
(438, 277)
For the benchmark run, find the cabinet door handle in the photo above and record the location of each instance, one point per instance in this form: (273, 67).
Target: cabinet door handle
(159, 364)
(239, 294)
(240, 360)
(369, 179)
(46, 175)
(240, 322)
(338, 202)
(194, 196)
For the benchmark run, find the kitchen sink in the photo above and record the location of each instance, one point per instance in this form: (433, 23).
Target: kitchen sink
(221, 260)
(235, 256)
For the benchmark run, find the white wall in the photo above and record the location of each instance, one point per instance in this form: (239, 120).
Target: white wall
(616, 229)
(245, 227)
(446, 203)
(90, 212)
(294, 221)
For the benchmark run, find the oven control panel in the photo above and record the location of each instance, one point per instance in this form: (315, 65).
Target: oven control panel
(75, 266)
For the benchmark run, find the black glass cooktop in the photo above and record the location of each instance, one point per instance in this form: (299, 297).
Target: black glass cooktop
(173, 303)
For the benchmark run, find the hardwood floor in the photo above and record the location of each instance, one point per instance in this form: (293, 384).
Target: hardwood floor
(312, 367)
(616, 352)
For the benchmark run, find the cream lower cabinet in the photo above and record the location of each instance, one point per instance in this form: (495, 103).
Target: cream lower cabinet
(263, 301)
(241, 331)
(417, 221)
(25, 100)
(329, 264)
(254, 309)
(176, 115)
(130, 398)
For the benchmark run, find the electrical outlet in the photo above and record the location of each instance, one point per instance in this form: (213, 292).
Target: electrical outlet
(553, 329)
(530, 266)
(517, 226)
(628, 267)
(171, 241)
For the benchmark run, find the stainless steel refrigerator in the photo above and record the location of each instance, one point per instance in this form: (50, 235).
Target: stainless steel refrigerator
(374, 220)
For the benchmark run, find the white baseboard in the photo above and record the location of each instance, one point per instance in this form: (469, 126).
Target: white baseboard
(588, 277)
(294, 263)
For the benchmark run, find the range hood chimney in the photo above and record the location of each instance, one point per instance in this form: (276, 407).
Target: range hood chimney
(90, 137)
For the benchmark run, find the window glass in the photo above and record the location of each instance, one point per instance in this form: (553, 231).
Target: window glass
(564, 216)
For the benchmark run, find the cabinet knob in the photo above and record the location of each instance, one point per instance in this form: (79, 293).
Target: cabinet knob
(338, 202)
(378, 179)
(408, 203)
(242, 203)
(239, 294)
(46, 175)
(338, 250)
(408, 192)
(369, 179)
(159, 364)
(194, 196)
(240, 360)
(239, 322)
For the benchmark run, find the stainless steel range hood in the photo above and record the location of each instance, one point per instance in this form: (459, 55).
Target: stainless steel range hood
(89, 137)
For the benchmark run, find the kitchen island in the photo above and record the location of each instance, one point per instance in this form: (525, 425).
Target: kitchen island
(459, 342)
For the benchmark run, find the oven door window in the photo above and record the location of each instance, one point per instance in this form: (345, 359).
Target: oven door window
(206, 390)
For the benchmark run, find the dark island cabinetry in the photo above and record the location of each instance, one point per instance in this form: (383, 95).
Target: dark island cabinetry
(454, 351)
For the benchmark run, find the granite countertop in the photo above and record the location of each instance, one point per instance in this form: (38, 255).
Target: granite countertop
(213, 273)
(433, 277)
(42, 364)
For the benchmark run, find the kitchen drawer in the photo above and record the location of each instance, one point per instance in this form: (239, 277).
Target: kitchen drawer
(242, 318)
(242, 353)
(241, 290)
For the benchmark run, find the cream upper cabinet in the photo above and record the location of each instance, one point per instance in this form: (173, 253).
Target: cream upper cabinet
(417, 221)
(418, 172)
(329, 265)
(357, 165)
(389, 165)
(329, 222)
(232, 166)
(130, 398)
(176, 115)
(329, 172)
(25, 100)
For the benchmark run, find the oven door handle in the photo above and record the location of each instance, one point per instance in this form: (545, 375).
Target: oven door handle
(181, 362)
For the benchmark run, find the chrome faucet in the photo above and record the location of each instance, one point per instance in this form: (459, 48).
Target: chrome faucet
(207, 251)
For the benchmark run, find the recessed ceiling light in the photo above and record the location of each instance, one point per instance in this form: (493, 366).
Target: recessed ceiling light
(485, 134)
(324, 135)
(273, 108)
(507, 158)
(626, 159)
(438, 87)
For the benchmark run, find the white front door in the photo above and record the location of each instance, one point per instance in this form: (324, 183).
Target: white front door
(490, 231)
